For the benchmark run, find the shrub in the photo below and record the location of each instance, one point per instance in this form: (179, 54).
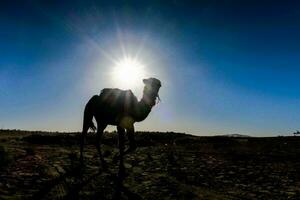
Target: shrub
(5, 158)
(30, 151)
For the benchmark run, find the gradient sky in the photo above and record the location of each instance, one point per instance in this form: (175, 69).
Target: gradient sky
(226, 67)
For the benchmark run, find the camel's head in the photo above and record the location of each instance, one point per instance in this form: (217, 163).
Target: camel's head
(152, 86)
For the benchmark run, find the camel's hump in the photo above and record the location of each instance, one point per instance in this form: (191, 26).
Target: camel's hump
(117, 93)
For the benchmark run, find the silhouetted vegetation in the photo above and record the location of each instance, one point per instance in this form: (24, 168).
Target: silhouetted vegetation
(143, 138)
(5, 158)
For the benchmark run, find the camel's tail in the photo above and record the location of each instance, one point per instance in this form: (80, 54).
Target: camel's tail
(87, 122)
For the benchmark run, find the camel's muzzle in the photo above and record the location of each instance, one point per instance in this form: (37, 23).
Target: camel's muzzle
(157, 100)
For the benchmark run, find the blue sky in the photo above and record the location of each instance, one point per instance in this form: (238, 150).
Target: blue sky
(226, 67)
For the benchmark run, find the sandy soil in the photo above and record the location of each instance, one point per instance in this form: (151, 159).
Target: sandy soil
(182, 167)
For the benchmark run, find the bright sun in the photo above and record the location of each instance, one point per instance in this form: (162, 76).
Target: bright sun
(128, 73)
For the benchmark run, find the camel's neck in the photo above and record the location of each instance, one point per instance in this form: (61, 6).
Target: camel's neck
(143, 109)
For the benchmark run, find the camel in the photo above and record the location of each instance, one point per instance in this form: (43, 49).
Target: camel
(122, 109)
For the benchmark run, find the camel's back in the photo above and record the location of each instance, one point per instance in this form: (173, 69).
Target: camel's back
(116, 101)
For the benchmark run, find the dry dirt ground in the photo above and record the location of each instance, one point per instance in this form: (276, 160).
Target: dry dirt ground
(165, 166)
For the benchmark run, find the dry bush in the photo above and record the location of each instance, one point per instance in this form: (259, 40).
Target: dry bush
(5, 158)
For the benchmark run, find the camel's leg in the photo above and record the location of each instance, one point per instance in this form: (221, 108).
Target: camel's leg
(87, 123)
(82, 140)
(132, 143)
(121, 133)
(100, 130)
(121, 173)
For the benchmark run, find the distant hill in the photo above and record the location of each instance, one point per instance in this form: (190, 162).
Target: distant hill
(233, 135)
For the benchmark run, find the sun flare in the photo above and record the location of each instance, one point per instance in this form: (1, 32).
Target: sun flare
(128, 73)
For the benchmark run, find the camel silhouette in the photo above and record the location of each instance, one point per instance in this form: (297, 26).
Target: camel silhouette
(122, 109)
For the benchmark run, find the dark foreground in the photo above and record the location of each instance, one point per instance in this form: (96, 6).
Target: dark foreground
(165, 166)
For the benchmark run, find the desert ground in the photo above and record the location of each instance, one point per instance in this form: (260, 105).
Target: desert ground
(40, 165)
